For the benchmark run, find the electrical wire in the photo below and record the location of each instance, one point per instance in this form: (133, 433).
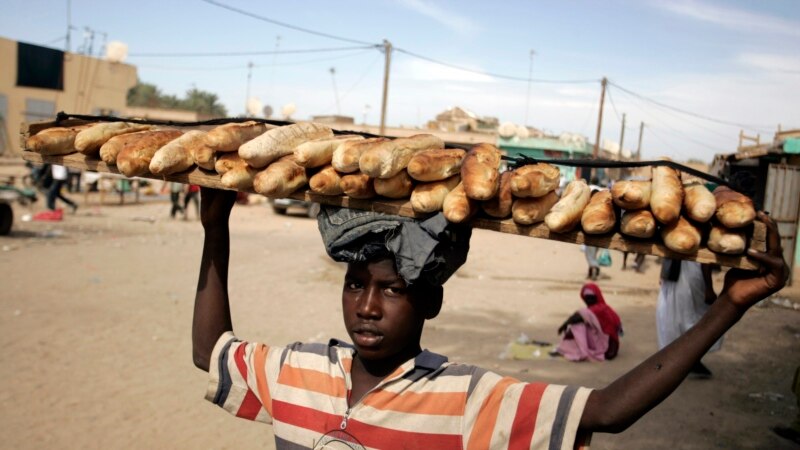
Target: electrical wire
(248, 53)
(358, 81)
(244, 66)
(286, 25)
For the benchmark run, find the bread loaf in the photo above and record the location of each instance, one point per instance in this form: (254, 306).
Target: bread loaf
(457, 207)
(134, 158)
(176, 156)
(429, 197)
(699, 202)
(240, 177)
(279, 142)
(534, 180)
(389, 158)
(280, 178)
(499, 206)
(630, 194)
(55, 141)
(725, 241)
(531, 210)
(566, 214)
(345, 156)
(638, 223)
(319, 152)
(326, 182)
(358, 185)
(479, 172)
(666, 197)
(90, 140)
(230, 136)
(110, 150)
(734, 210)
(681, 236)
(599, 217)
(204, 157)
(227, 162)
(436, 165)
(398, 186)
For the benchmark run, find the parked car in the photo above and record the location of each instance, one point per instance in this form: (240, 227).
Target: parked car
(282, 205)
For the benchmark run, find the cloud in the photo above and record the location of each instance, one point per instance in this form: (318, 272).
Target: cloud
(771, 62)
(448, 18)
(733, 18)
(427, 71)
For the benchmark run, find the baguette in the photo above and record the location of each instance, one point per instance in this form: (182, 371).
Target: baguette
(535, 180)
(531, 210)
(280, 178)
(90, 140)
(429, 197)
(398, 186)
(725, 241)
(499, 206)
(630, 194)
(479, 172)
(227, 162)
(110, 150)
(204, 156)
(436, 165)
(358, 185)
(230, 136)
(239, 178)
(134, 158)
(55, 141)
(699, 202)
(281, 141)
(319, 152)
(599, 217)
(681, 236)
(566, 214)
(734, 210)
(176, 156)
(326, 182)
(638, 223)
(345, 157)
(389, 158)
(457, 207)
(666, 196)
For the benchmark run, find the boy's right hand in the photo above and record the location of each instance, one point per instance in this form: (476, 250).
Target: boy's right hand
(215, 207)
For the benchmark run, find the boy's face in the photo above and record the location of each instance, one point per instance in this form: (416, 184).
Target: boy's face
(379, 312)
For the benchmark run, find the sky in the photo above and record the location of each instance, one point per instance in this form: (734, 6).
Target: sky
(695, 72)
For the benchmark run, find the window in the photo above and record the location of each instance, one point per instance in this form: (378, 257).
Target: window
(37, 110)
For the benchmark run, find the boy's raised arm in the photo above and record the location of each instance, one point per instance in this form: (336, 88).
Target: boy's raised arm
(212, 316)
(624, 401)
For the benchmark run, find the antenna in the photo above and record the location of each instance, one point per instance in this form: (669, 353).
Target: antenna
(528, 96)
(247, 93)
(335, 91)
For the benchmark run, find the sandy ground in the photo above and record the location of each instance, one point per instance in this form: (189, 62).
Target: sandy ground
(95, 317)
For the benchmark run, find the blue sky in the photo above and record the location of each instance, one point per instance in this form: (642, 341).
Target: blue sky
(735, 62)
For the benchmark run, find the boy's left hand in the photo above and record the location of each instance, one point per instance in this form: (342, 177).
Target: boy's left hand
(745, 288)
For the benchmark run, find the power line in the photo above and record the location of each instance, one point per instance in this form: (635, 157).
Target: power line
(248, 53)
(761, 128)
(286, 25)
(244, 66)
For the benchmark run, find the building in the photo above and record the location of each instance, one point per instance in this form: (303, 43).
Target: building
(456, 119)
(37, 82)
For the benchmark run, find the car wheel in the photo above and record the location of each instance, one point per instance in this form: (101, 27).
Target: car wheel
(279, 211)
(313, 210)
(6, 218)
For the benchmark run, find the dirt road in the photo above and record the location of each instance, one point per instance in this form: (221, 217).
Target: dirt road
(95, 316)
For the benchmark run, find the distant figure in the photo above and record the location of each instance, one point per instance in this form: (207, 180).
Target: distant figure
(175, 190)
(192, 195)
(59, 179)
(592, 332)
(686, 294)
(73, 180)
(591, 260)
(638, 262)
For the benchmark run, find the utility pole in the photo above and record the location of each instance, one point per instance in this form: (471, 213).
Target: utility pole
(622, 135)
(387, 50)
(639, 148)
(603, 83)
(69, 23)
(528, 97)
(247, 94)
(335, 91)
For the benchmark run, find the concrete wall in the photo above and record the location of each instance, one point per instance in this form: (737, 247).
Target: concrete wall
(91, 86)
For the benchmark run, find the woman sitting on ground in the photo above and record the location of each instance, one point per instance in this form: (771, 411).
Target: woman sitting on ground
(592, 332)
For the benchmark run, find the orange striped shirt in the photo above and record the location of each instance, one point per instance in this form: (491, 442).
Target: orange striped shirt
(427, 403)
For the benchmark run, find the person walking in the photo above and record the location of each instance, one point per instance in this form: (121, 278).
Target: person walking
(59, 179)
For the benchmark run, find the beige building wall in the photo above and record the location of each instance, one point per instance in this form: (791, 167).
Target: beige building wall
(91, 86)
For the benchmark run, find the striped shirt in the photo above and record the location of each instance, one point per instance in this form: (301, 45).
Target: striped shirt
(428, 402)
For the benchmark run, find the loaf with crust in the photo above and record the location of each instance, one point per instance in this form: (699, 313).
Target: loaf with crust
(429, 197)
(565, 215)
(240, 177)
(55, 141)
(499, 206)
(681, 236)
(599, 216)
(90, 140)
(734, 210)
(398, 186)
(389, 158)
(346, 156)
(230, 136)
(280, 178)
(531, 210)
(631, 194)
(638, 223)
(436, 165)
(535, 180)
(326, 182)
(279, 142)
(319, 152)
(726, 241)
(479, 172)
(358, 185)
(666, 196)
(457, 206)
(134, 158)
(176, 156)
(698, 202)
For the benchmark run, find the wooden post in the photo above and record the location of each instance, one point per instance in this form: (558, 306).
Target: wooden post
(622, 135)
(600, 118)
(639, 148)
(387, 50)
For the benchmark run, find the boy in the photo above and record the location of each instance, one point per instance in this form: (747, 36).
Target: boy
(384, 391)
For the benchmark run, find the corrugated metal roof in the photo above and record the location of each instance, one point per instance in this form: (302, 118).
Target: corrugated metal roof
(545, 143)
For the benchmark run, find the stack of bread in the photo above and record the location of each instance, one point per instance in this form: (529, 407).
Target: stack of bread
(277, 161)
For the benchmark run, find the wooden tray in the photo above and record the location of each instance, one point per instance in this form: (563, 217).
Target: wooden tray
(614, 241)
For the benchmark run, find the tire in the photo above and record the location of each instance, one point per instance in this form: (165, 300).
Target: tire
(279, 211)
(6, 218)
(313, 210)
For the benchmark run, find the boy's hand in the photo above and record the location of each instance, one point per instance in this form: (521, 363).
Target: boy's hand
(745, 288)
(215, 207)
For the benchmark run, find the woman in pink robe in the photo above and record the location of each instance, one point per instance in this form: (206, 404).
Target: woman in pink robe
(592, 332)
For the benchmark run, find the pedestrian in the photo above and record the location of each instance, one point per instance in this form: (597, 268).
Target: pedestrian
(384, 391)
(59, 179)
(192, 193)
(175, 190)
(593, 332)
(591, 260)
